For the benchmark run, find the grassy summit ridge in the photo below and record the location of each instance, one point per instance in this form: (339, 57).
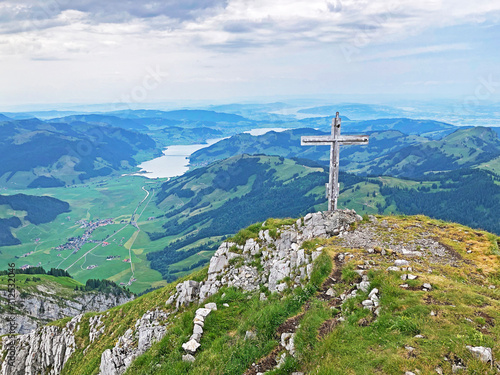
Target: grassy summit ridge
(462, 308)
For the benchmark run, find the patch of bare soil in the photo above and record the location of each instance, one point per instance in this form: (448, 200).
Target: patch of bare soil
(327, 327)
(429, 300)
(269, 362)
(265, 364)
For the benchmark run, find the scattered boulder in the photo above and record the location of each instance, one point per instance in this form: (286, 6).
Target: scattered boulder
(191, 346)
(482, 353)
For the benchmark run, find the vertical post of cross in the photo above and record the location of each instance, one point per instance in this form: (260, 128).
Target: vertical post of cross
(333, 183)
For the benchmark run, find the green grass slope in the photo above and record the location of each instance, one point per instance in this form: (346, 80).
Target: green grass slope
(416, 330)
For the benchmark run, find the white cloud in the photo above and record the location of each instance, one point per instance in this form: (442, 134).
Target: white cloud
(274, 45)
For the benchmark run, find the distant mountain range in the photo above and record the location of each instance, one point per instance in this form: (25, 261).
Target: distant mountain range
(101, 120)
(181, 115)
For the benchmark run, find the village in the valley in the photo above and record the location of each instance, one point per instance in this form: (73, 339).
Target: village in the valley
(76, 243)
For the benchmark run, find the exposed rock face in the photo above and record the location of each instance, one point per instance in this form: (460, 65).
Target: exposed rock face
(148, 329)
(44, 351)
(280, 258)
(39, 309)
(187, 292)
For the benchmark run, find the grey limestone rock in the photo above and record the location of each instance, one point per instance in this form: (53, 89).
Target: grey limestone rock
(44, 306)
(45, 350)
(482, 353)
(191, 346)
(147, 330)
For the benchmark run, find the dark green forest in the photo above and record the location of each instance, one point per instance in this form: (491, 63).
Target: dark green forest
(58, 272)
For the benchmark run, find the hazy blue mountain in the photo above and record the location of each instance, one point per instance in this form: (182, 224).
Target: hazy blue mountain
(181, 115)
(178, 135)
(102, 120)
(426, 128)
(44, 115)
(274, 112)
(355, 111)
(4, 118)
(240, 108)
(287, 144)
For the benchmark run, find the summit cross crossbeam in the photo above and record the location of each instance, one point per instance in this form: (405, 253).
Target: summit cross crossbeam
(334, 140)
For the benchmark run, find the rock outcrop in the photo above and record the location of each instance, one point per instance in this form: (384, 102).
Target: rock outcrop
(148, 329)
(280, 258)
(37, 309)
(44, 351)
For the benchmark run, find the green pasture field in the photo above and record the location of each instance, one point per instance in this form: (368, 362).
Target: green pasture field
(115, 198)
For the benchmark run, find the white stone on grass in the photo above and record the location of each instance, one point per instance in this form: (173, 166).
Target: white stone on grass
(211, 306)
(482, 353)
(198, 329)
(188, 358)
(203, 312)
(191, 346)
(330, 292)
(373, 292)
(364, 286)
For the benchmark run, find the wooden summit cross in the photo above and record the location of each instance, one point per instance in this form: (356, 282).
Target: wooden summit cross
(334, 140)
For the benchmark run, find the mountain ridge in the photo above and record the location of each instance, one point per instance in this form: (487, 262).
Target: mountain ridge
(379, 294)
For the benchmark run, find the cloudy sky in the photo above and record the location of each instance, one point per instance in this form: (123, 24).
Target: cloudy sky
(105, 51)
